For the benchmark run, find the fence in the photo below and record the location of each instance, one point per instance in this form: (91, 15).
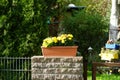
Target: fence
(103, 64)
(15, 68)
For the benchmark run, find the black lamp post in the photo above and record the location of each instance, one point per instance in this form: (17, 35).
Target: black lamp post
(85, 62)
(90, 50)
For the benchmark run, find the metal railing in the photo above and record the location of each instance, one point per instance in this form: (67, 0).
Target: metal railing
(15, 68)
(103, 64)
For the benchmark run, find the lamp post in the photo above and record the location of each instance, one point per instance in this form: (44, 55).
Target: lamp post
(90, 50)
(72, 7)
(85, 62)
(90, 54)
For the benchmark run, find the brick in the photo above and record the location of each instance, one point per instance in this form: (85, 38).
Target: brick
(57, 68)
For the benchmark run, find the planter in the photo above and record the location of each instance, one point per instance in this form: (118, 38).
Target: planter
(60, 51)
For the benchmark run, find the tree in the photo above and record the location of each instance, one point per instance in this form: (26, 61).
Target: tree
(114, 20)
(23, 26)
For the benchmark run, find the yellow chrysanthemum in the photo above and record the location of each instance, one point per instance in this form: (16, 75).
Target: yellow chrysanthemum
(63, 36)
(59, 38)
(70, 36)
(63, 41)
(44, 44)
(49, 40)
(54, 39)
(58, 41)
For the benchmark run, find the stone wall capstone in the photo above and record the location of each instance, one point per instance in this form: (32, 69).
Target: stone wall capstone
(57, 68)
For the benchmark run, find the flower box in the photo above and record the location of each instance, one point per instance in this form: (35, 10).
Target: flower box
(61, 45)
(59, 51)
(112, 46)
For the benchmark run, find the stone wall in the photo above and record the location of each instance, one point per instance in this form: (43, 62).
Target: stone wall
(57, 68)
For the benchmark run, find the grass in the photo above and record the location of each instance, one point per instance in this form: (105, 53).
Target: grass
(103, 73)
(104, 76)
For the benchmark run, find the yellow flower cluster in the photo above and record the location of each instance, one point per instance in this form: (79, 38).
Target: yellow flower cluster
(64, 39)
(109, 54)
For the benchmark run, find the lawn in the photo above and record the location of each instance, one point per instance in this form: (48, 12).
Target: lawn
(104, 76)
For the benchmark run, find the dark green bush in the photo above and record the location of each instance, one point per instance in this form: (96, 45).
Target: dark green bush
(89, 29)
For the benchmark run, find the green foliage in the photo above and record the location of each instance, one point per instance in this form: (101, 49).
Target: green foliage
(23, 23)
(22, 27)
(88, 28)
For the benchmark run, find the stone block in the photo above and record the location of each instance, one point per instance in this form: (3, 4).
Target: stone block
(57, 68)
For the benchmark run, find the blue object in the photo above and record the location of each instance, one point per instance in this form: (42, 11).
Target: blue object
(112, 46)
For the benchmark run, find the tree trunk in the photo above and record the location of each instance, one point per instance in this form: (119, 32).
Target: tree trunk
(113, 21)
(118, 1)
(118, 9)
